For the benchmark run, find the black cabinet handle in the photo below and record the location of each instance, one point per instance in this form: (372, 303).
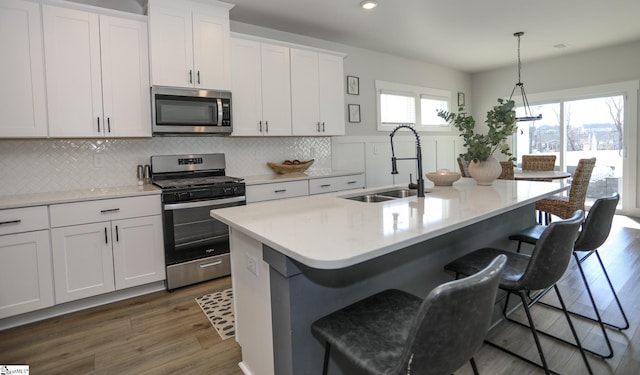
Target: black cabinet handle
(190, 76)
(109, 210)
(280, 191)
(325, 185)
(117, 235)
(266, 126)
(106, 239)
(198, 77)
(109, 124)
(98, 124)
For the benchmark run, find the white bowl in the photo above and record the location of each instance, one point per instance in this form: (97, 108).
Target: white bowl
(443, 178)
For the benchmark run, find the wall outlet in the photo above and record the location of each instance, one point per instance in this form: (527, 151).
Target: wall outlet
(252, 265)
(98, 161)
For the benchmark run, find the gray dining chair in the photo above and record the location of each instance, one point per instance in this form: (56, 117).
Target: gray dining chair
(594, 233)
(525, 273)
(394, 332)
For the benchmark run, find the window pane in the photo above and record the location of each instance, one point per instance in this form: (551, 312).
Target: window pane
(541, 136)
(397, 109)
(594, 129)
(429, 111)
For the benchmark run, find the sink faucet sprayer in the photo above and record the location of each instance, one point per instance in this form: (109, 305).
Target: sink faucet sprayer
(418, 158)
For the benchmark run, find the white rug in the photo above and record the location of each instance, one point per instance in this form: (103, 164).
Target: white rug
(218, 307)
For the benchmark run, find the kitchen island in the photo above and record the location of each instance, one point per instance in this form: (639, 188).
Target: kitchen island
(296, 260)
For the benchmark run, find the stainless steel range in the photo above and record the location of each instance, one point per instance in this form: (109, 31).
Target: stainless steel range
(196, 245)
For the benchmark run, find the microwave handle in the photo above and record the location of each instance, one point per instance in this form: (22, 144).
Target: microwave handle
(220, 115)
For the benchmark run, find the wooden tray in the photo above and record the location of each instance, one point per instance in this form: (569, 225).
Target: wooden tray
(290, 168)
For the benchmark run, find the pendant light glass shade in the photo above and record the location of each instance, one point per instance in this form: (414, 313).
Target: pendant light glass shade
(528, 114)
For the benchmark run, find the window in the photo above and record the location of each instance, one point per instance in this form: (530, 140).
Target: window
(405, 104)
(582, 123)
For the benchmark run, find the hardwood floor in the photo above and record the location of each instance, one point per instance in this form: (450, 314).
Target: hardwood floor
(166, 333)
(161, 333)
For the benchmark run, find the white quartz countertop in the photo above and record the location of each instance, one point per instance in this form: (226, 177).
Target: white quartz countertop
(39, 199)
(327, 231)
(307, 175)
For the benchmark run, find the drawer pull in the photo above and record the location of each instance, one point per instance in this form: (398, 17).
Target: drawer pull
(280, 191)
(325, 185)
(109, 211)
(210, 264)
(351, 182)
(18, 221)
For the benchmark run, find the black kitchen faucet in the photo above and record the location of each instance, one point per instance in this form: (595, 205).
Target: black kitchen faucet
(418, 158)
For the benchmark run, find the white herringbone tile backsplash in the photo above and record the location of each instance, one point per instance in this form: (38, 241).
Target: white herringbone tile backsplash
(37, 166)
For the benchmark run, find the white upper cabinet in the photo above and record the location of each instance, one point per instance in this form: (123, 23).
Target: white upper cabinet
(22, 92)
(125, 77)
(317, 93)
(261, 89)
(190, 44)
(97, 75)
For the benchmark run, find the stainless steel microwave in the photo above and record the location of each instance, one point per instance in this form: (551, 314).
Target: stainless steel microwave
(186, 111)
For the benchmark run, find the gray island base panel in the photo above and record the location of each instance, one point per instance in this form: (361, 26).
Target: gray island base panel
(300, 294)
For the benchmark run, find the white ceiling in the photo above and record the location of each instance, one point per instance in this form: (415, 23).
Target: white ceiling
(469, 35)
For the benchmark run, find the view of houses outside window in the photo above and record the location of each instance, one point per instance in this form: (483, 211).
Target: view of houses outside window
(576, 129)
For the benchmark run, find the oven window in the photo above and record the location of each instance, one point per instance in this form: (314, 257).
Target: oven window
(176, 110)
(195, 230)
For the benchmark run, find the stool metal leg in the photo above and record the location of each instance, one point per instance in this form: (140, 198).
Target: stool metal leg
(327, 350)
(474, 367)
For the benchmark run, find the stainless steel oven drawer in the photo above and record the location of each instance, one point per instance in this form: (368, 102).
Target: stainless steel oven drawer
(198, 270)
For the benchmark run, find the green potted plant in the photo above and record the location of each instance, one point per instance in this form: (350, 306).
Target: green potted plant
(501, 121)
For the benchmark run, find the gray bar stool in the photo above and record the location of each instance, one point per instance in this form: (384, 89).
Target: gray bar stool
(594, 233)
(394, 332)
(524, 273)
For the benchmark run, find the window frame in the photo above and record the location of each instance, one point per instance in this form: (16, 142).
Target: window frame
(417, 93)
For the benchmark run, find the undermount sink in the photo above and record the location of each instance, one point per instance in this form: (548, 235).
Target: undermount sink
(399, 193)
(384, 196)
(370, 198)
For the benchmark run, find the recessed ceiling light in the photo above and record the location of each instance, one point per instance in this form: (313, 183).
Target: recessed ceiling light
(368, 4)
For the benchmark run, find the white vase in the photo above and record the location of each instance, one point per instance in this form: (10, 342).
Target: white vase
(485, 172)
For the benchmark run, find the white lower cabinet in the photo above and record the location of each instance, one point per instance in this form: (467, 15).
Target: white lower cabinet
(82, 261)
(138, 252)
(331, 184)
(25, 272)
(124, 250)
(300, 188)
(278, 190)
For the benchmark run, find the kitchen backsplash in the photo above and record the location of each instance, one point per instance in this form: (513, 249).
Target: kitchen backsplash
(37, 166)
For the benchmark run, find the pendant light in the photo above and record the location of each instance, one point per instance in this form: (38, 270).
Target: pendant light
(528, 115)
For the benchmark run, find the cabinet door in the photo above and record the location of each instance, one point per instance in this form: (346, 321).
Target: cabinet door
(25, 273)
(74, 88)
(305, 112)
(82, 261)
(211, 51)
(276, 90)
(138, 251)
(22, 108)
(331, 94)
(125, 77)
(246, 86)
(171, 39)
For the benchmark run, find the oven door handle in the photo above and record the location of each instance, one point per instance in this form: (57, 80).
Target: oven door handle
(212, 202)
